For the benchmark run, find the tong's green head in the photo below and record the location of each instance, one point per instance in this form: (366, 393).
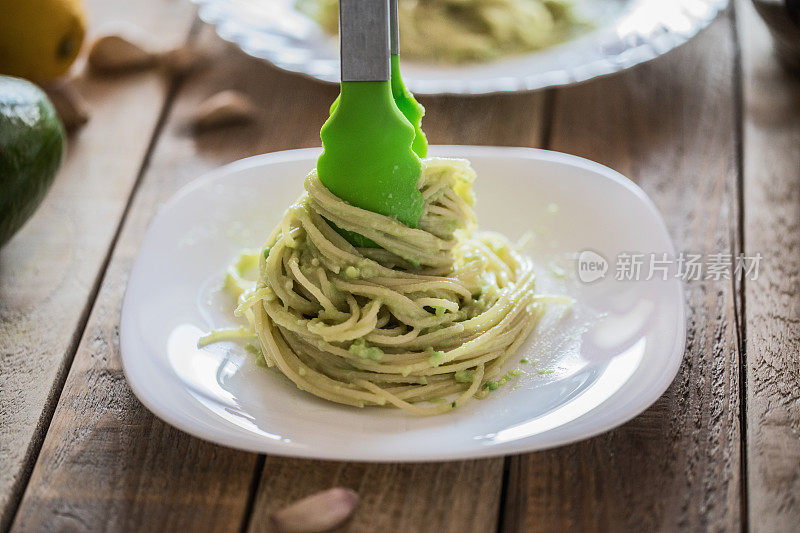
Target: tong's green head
(410, 108)
(367, 159)
(408, 105)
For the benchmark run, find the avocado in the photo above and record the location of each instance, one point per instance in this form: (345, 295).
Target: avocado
(31, 147)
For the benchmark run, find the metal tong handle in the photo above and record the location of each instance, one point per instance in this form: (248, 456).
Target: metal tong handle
(394, 28)
(364, 40)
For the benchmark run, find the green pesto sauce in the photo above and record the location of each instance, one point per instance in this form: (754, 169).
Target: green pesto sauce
(491, 385)
(436, 358)
(364, 351)
(465, 376)
(255, 350)
(496, 384)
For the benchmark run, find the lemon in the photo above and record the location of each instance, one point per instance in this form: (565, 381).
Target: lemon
(39, 39)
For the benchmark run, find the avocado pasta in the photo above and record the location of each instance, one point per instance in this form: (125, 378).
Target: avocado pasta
(433, 312)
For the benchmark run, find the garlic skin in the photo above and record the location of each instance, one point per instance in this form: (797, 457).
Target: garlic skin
(319, 512)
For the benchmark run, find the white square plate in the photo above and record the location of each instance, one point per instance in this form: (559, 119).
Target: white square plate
(593, 367)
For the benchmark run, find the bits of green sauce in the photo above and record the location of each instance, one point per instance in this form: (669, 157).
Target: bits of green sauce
(495, 384)
(362, 350)
(465, 376)
(255, 350)
(436, 358)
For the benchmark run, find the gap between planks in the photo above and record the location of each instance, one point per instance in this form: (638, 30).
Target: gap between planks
(771, 159)
(739, 246)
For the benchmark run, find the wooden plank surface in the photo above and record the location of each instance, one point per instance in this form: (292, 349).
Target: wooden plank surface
(670, 126)
(107, 461)
(436, 497)
(51, 269)
(771, 159)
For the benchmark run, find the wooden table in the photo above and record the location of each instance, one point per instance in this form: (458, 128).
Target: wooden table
(711, 132)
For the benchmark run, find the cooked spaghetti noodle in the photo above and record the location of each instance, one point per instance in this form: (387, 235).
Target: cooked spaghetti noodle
(431, 313)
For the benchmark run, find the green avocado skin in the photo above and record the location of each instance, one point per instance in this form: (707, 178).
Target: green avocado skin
(31, 147)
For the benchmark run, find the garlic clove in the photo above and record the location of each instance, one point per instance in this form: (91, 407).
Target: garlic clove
(225, 108)
(114, 53)
(316, 513)
(183, 61)
(70, 106)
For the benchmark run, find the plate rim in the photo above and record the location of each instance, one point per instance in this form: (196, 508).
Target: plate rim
(261, 445)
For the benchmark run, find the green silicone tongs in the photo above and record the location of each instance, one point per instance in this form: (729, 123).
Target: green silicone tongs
(405, 101)
(367, 157)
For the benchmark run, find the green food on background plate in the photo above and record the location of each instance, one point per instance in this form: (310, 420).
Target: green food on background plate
(458, 31)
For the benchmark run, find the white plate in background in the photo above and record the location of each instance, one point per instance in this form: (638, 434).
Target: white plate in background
(625, 33)
(599, 364)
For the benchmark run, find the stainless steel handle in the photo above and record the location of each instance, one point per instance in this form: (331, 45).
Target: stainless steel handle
(364, 39)
(394, 28)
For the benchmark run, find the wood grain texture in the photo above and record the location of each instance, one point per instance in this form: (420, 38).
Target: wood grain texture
(50, 270)
(670, 126)
(771, 160)
(146, 473)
